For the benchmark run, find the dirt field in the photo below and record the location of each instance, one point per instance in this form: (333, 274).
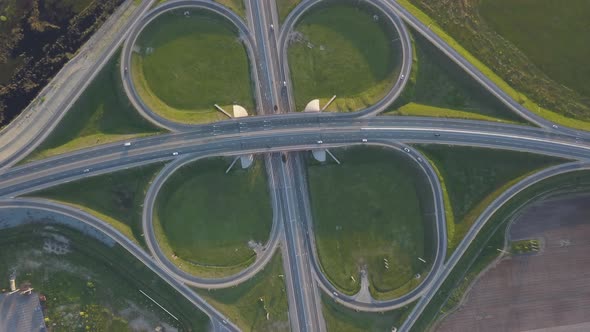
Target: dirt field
(548, 291)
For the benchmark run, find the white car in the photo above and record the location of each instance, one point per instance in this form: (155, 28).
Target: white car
(365, 140)
(87, 170)
(284, 83)
(554, 126)
(402, 77)
(175, 153)
(407, 150)
(127, 144)
(320, 142)
(272, 26)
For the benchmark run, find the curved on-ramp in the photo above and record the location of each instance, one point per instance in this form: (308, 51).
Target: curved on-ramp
(126, 55)
(406, 66)
(109, 231)
(164, 261)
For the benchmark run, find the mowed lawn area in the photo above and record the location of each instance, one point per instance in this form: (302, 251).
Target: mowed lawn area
(116, 198)
(102, 114)
(368, 209)
(285, 7)
(248, 304)
(553, 35)
(185, 65)
(207, 217)
(473, 177)
(340, 50)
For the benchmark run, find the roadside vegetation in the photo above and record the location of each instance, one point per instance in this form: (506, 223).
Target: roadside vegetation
(101, 115)
(438, 87)
(330, 54)
(473, 177)
(341, 319)
(89, 285)
(525, 246)
(237, 6)
(116, 198)
(209, 222)
(371, 213)
(259, 304)
(285, 7)
(484, 248)
(187, 64)
(521, 68)
(37, 38)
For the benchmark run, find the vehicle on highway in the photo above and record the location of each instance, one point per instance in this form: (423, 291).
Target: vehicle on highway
(407, 150)
(86, 170)
(284, 157)
(285, 83)
(419, 159)
(272, 26)
(436, 135)
(175, 153)
(554, 126)
(401, 78)
(320, 142)
(127, 144)
(365, 140)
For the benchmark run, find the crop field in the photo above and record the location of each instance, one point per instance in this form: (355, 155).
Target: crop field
(330, 55)
(208, 221)
(438, 87)
(484, 248)
(473, 177)
(541, 290)
(186, 65)
(101, 115)
(539, 58)
(248, 304)
(371, 210)
(116, 197)
(90, 286)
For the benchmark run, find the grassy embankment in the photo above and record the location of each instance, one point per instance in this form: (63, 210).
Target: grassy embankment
(285, 7)
(537, 97)
(333, 56)
(438, 87)
(366, 210)
(473, 177)
(249, 303)
(102, 114)
(116, 198)
(188, 64)
(92, 287)
(483, 249)
(206, 218)
(341, 319)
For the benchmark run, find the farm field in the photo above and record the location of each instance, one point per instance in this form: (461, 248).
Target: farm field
(209, 222)
(371, 210)
(332, 56)
(186, 65)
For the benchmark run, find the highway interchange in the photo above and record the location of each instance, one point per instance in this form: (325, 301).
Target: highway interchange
(273, 133)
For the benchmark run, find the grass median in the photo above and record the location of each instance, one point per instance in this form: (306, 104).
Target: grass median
(102, 114)
(90, 285)
(184, 64)
(473, 177)
(259, 304)
(484, 248)
(210, 223)
(330, 54)
(285, 7)
(372, 213)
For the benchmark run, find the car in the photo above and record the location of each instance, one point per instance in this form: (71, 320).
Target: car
(365, 140)
(175, 153)
(320, 142)
(407, 150)
(125, 69)
(401, 78)
(272, 26)
(86, 170)
(436, 135)
(554, 126)
(284, 83)
(419, 159)
(127, 144)
(284, 157)
(335, 294)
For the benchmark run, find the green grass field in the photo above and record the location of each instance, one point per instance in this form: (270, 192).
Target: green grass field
(483, 249)
(187, 64)
(206, 217)
(460, 25)
(473, 177)
(553, 35)
(243, 306)
(116, 197)
(371, 208)
(102, 114)
(236, 5)
(341, 319)
(342, 61)
(93, 287)
(285, 7)
(438, 87)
